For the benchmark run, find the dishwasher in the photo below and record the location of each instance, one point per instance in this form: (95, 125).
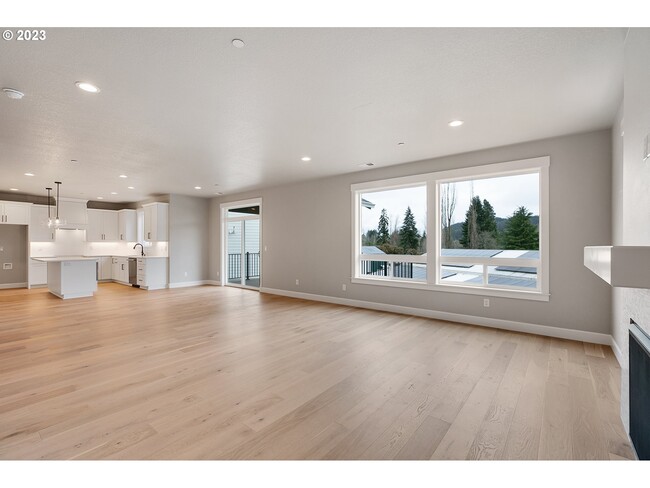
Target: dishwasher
(133, 272)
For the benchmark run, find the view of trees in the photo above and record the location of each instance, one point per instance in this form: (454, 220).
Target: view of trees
(481, 229)
(405, 240)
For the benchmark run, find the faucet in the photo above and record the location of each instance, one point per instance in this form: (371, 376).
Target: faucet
(141, 246)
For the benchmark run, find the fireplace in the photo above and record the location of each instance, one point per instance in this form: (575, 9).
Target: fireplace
(640, 390)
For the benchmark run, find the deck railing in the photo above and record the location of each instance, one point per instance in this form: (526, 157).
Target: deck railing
(252, 265)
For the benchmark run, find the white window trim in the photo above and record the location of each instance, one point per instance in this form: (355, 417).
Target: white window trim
(538, 165)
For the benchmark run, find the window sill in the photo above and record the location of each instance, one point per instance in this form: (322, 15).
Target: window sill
(466, 290)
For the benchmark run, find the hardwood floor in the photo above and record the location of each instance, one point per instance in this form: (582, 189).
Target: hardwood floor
(222, 373)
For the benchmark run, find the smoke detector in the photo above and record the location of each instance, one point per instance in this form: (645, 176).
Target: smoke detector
(13, 94)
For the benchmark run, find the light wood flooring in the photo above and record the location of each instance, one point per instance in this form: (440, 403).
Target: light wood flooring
(223, 373)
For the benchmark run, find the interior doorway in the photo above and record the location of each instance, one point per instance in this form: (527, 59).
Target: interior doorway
(242, 259)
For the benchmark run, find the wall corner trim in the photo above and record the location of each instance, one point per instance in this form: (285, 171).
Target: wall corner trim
(543, 330)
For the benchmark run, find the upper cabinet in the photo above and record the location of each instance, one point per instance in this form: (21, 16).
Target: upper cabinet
(102, 225)
(155, 221)
(14, 213)
(127, 225)
(39, 231)
(72, 213)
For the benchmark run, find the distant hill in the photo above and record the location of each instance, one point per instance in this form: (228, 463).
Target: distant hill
(457, 228)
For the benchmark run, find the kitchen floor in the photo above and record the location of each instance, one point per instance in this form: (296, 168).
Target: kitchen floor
(225, 373)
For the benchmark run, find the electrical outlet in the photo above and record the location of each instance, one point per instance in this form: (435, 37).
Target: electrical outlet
(344, 287)
(218, 273)
(185, 274)
(266, 248)
(298, 282)
(486, 302)
(7, 266)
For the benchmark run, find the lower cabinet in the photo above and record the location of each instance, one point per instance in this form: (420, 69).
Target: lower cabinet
(105, 269)
(120, 270)
(37, 273)
(152, 273)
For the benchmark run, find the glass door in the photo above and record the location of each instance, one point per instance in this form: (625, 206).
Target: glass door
(242, 247)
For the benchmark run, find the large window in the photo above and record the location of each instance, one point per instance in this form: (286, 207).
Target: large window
(489, 230)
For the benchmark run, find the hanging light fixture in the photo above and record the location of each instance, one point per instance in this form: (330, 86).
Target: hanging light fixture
(57, 221)
(49, 216)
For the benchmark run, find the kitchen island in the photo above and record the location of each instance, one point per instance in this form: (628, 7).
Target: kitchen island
(71, 276)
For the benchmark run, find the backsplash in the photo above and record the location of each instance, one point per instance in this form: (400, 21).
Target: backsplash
(73, 243)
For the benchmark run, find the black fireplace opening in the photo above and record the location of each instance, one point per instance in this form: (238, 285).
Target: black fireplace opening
(639, 363)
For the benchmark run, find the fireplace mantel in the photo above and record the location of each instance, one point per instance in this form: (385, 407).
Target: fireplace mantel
(620, 266)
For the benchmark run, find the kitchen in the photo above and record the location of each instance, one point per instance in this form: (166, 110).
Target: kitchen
(69, 247)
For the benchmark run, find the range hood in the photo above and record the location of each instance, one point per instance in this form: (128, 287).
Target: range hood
(620, 266)
(72, 213)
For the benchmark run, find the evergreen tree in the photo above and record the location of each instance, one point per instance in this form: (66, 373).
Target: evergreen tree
(469, 239)
(383, 234)
(409, 237)
(520, 233)
(487, 219)
(480, 226)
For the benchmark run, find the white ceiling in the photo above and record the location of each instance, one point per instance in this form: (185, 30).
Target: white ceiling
(180, 108)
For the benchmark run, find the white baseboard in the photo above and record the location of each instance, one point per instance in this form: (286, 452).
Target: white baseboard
(543, 330)
(13, 285)
(185, 284)
(617, 352)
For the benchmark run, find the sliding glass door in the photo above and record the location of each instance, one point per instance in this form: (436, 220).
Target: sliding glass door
(242, 247)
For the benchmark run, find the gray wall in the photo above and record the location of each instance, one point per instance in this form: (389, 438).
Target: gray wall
(633, 188)
(188, 238)
(13, 240)
(307, 229)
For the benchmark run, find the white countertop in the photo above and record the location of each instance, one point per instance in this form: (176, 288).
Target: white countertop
(127, 256)
(61, 259)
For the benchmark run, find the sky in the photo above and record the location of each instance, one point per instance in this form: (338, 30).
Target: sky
(505, 194)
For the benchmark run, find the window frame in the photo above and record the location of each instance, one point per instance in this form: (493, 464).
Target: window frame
(432, 181)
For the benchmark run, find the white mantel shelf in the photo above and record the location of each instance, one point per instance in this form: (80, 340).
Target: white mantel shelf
(620, 266)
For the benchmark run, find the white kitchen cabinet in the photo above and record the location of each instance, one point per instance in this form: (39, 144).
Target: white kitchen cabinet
(14, 213)
(120, 270)
(127, 225)
(37, 273)
(102, 225)
(152, 273)
(38, 229)
(105, 269)
(156, 221)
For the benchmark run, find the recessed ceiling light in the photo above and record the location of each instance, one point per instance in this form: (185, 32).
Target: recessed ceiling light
(14, 189)
(123, 176)
(367, 165)
(305, 158)
(400, 143)
(131, 187)
(113, 193)
(100, 198)
(13, 94)
(73, 160)
(197, 187)
(88, 87)
(238, 43)
(218, 193)
(29, 174)
(456, 123)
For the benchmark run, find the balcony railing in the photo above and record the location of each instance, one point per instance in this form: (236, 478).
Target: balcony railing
(252, 265)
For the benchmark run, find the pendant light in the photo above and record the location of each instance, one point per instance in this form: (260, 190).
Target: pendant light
(49, 217)
(58, 184)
